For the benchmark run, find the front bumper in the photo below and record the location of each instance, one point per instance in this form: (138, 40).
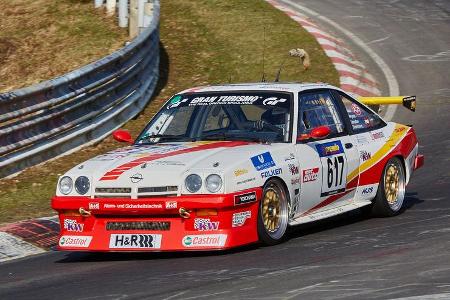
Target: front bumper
(206, 222)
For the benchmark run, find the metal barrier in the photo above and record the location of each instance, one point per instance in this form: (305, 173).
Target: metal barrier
(61, 115)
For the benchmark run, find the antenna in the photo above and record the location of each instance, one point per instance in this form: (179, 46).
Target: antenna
(277, 78)
(263, 79)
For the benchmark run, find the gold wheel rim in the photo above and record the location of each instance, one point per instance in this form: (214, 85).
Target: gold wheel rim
(271, 210)
(392, 184)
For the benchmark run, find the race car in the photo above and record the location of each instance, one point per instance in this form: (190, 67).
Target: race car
(224, 166)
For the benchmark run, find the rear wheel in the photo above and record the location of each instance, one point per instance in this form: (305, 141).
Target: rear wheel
(273, 213)
(391, 190)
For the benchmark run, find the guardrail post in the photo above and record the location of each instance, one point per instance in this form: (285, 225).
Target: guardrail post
(111, 7)
(133, 28)
(98, 3)
(123, 13)
(141, 6)
(148, 13)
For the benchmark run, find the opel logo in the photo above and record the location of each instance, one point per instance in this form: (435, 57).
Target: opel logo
(136, 178)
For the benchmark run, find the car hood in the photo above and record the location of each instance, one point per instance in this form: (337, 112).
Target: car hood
(163, 165)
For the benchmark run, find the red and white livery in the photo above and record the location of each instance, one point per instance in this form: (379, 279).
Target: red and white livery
(225, 166)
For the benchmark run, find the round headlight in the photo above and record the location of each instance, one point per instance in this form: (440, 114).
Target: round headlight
(213, 183)
(82, 185)
(193, 183)
(65, 185)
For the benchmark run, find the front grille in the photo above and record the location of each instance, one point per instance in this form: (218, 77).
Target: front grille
(111, 190)
(153, 225)
(158, 189)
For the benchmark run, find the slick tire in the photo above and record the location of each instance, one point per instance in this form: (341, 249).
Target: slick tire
(391, 190)
(273, 213)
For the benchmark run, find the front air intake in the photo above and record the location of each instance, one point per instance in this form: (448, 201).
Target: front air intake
(152, 225)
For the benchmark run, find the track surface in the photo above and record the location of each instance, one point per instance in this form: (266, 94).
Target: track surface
(348, 257)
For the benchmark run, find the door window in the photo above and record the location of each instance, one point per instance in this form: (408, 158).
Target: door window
(361, 118)
(318, 109)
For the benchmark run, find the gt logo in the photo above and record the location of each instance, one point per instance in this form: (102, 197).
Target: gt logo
(273, 101)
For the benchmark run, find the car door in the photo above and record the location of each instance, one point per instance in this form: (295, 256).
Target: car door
(367, 131)
(326, 162)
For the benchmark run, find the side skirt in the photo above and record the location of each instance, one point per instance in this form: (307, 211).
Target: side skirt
(323, 214)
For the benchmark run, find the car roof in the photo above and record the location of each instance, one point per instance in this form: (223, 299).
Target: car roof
(293, 87)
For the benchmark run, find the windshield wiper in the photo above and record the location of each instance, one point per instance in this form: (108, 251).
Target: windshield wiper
(164, 136)
(226, 136)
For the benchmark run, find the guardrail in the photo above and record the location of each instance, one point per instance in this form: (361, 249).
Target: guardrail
(60, 115)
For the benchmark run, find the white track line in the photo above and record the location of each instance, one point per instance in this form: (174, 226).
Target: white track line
(387, 72)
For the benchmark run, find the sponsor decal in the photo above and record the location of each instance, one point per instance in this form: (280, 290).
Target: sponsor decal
(366, 121)
(263, 161)
(310, 174)
(295, 180)
(176, 101)
(272, 172)
(246, 181)
(245, 198)
(94, 205)
(377, 135)
(136, 178)
(293, 169)
(75, 241)
(205, 240)
(240, 172)
(329, 193)
(135, 241)
(399, 129)
(171, 204)
(290, 157)
(240, 218)
(273, 101)
(205, 224)
(364, 155)
(73, 225)
(356, 110)
(367, 190)
(132, 206)
(167, 163)
(330, 148)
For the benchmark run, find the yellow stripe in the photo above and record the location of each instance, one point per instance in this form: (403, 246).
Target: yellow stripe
(397, 134)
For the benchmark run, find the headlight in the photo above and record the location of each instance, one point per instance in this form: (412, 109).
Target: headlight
(82, 185)
(213, 183)
(65, 185)
(193, 183)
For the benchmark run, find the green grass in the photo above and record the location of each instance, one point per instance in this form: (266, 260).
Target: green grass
(207, 42)
(41, 39)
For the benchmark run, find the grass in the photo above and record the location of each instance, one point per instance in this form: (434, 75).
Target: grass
(41, 39)
(203, 42)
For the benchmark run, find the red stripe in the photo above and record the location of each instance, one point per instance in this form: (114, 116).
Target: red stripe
(358, 77)
(115, 173)
(339, 60)
(320, 35)
(356, 90)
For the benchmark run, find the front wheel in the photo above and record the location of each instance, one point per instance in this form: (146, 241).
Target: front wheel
(273, 213)
(391, 190)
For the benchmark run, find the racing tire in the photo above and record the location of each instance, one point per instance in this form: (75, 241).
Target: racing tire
(273, 213)
(390, 196)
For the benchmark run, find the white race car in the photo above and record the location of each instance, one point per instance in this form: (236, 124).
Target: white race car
(224, 166)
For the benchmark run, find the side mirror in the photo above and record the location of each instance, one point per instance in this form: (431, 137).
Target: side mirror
(121, 135)
(320, 132)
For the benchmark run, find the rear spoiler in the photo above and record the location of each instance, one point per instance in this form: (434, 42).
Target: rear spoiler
(408, 101)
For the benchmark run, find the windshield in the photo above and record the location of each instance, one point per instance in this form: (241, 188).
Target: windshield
(247, 116)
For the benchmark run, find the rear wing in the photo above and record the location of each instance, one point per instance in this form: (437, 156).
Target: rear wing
(407, 101)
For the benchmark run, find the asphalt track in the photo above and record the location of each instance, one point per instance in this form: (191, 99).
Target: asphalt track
(347, 257)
